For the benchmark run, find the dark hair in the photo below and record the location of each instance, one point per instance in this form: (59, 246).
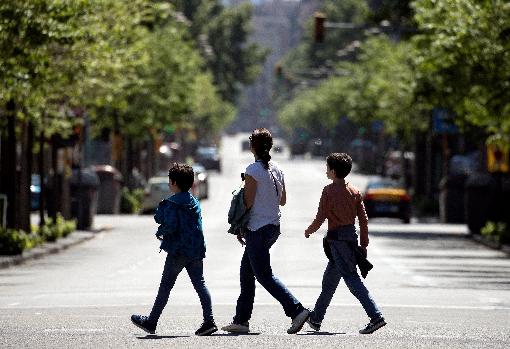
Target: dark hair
(341, 163)
(182, 175)
(261, 141)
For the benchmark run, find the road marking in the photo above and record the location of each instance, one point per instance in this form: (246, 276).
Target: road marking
(89, 330)
(383, 305)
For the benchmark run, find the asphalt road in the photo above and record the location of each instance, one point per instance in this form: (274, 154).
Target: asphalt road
(437, 288)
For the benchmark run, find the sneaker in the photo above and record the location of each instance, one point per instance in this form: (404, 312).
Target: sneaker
(207, 328)
(143, 323)
(237, 328)
(299, 321)
(373, 326)
(316, 326)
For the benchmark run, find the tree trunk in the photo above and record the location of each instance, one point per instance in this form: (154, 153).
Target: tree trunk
(55, 185)
(23, 197)
(9, 164)
(42, 174)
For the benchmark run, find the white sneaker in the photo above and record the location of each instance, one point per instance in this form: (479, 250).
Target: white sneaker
(237, 328)
(299, 321)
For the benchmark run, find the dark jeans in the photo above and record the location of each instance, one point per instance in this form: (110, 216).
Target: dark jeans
(256, 264)
(173, 266)
(343, 266)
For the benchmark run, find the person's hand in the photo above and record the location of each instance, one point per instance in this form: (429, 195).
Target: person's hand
(241, 238)
(307, 234)
(365, 250)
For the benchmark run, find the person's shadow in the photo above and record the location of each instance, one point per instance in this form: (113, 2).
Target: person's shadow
(232, 334)
(319, 333)
(155, 336)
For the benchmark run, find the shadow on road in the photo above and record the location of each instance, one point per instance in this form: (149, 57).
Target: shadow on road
(155, 336)
(235, 334)
(320, 333)
(420, 235)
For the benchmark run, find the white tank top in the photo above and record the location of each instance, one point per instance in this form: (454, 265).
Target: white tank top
(266, 207)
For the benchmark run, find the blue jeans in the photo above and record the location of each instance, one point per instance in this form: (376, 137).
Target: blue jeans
(343, 266)
(256, 264)
(173, 266)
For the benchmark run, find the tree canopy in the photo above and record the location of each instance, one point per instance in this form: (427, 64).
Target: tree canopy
(457, 59)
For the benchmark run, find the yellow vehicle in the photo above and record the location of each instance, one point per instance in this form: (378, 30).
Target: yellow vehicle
(387, 198)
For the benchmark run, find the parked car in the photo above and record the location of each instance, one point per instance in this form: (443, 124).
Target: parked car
(208, 157)
(387, 198)
(245, 145)
(156, 190)
(35, 191)
(200, 188)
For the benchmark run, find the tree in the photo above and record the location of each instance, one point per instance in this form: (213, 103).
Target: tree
(37, 41)
(463, 56)
(223, 34)
(378, 87)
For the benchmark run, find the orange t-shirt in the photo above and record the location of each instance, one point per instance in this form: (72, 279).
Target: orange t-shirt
(340, 203)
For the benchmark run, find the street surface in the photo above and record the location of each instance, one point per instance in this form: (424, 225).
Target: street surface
(436, 287)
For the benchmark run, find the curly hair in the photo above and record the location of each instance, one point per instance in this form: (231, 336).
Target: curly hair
(341, 163)
(182, 175)
(262, 142)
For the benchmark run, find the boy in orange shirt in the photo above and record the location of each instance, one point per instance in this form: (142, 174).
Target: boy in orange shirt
(340, 204)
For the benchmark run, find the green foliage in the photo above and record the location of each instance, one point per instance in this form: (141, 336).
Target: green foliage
(37, 56)
(496, 231)
(131, 200)
(222, 34)
(383, 86)
(459, 60)
(379, 86)
(14, 242)
(129, 64)
(464, 59)
(51, 231)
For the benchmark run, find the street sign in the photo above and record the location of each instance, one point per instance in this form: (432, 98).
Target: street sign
(497, 158)
(442, 122)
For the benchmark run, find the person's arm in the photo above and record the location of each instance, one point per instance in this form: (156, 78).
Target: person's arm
(363, 222)
(160, 211)
(250, 189)
(283, 199)
(320, 217)
(166, 215)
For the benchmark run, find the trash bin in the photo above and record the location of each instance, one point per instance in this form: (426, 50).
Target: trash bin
(110, 186)
(451, 198)
(84, 185)
(479, 201)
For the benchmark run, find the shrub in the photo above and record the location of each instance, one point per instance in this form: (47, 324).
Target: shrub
(14, 242)
(131, 200)
(51, 231)
(496, 231)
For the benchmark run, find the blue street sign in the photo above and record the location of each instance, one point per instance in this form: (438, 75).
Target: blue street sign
(442, 122)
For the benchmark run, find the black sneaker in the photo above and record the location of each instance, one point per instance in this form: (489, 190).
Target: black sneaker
(373, 326)
(143, 323)
(316, 326)
(207, 328)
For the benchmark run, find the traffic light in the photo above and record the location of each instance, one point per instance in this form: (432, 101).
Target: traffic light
(320, 18)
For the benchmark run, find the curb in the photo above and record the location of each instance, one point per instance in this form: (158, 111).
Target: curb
(494, 245)
(75, 238)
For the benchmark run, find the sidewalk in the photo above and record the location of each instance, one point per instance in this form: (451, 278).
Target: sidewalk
(48, 248)
(489, 243)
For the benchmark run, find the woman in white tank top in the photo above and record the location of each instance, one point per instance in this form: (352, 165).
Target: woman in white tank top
(264, 193)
